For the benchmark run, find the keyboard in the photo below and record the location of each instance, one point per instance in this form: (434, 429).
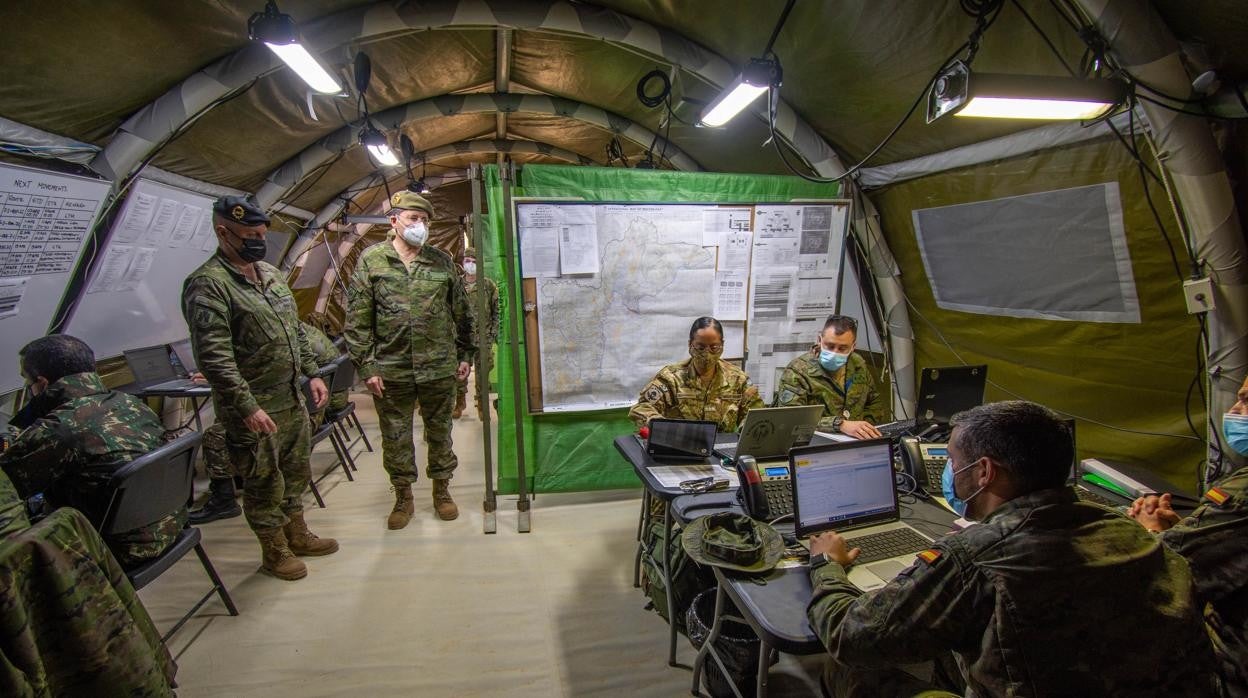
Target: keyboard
(894, 429)
(1087, 495)
(779, 497)
(886, 544)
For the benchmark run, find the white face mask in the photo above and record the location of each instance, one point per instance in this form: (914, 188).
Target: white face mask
(416, 233)
(470, 268)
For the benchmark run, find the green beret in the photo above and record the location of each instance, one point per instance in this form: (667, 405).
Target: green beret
(241, 210)
(411, 201)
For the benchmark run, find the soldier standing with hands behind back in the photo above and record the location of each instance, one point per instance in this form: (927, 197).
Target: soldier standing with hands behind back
(252, 350)
(409, 332)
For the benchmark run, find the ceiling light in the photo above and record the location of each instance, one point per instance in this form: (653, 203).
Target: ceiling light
(960, 92)
(375, 142)
(759, 76)
(418, 185)
(279, 32)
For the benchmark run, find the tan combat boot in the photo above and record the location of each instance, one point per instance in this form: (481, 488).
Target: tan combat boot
(304, 542)
(404, 507)
(442, 502)
(461, 404)
(277, 559)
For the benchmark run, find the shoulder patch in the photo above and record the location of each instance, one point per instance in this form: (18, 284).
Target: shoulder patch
(652, 393)
(1217, 495)
(786, 396)
(930, 555)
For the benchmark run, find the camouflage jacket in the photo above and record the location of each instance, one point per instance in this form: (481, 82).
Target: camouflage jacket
(12, 508)
(1046, 597)
(71, 453)
(247, 338)
(407, 326)
(491, 299)
(805, 382)
(1214, 540)
(677, 393)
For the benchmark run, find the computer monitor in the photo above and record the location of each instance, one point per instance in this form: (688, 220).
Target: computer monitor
(842, 485)
(944, 392)
(150, 364)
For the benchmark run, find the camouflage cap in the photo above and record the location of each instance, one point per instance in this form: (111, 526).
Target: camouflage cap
(411, 201)
(241, 210)
(471, 252)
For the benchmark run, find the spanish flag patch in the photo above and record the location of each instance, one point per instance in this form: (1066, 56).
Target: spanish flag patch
(929, 556)
(1217, 495)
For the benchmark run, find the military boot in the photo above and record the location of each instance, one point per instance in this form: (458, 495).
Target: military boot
(442, 502)
(304, 542)
(404, 507)
(220, 504)
(277, 559)
(460, 405)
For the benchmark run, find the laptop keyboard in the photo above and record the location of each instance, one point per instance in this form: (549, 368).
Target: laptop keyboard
(886, 544)
(1086, 495)
(779, 497)
(895, 429)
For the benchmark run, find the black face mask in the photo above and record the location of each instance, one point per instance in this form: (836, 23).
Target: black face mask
(35, 409)
(250, 249)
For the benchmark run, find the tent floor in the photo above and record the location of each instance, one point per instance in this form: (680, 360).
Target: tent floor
(436, 609)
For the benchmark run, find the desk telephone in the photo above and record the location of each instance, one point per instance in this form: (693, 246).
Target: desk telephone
(766, 490)
(924, 461)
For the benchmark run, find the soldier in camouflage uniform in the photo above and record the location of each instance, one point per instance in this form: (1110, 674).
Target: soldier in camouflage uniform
(702, 387)
(1045, 596)
(12, 508)
(1214, 540)
(252, 350)
(409, 332)
(474, 286)
(832, 375)
(221, 503)
(83, 433)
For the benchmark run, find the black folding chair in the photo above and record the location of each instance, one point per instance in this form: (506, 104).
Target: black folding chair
(344, 378)
(148, 489)
(325, 430)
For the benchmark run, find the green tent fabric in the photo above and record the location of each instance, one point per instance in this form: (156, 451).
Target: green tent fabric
(573, 451)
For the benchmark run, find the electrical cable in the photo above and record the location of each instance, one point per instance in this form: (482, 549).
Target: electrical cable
(1044, 37)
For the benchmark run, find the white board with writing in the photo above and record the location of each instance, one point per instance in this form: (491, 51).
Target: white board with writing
(133, 292)
(45, 220)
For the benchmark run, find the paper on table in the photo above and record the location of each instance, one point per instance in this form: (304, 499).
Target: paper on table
(734, 250)
(138, 217)
(11, 292)
(673, 475)
(835, 437)
(578, 249)
(724, 220)
(730, 294)
(539, 252)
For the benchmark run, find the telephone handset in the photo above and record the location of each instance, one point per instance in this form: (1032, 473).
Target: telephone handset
(766, 491)
(924, 461)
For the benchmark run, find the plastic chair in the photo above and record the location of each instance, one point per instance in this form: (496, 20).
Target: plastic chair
(147, 490)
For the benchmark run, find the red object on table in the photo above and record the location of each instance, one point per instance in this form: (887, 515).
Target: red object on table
(644, 432)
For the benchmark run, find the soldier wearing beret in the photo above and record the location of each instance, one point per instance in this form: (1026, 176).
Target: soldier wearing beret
(832, 375)
(252, 350)
(409, 332)
(474, 286)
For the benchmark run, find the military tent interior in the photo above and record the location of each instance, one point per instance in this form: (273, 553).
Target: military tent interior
(1063, 254)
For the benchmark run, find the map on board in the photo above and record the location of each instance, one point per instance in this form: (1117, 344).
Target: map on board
(621, 312)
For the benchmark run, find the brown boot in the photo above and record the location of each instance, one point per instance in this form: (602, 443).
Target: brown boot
(460, 405)
(442, 502)
(304, 542)
(277, 559)
(404, 507)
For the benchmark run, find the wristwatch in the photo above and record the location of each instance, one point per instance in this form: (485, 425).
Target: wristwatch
(819, 560)
(837, 421)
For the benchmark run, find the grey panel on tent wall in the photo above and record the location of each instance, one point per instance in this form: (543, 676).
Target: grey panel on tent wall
(277, 242)
(1056, 255)
(314, 267)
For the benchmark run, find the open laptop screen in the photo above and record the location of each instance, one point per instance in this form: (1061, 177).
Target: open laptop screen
(944, 392)
(844, 485)
(182, 350)
(150, 364)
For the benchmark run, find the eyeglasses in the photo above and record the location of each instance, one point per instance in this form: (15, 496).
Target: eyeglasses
(714, 348)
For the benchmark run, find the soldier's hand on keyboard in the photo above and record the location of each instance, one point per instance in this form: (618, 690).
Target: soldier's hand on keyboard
(859, 430)
(831, 544)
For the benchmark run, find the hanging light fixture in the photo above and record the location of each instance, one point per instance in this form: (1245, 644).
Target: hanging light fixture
(960, 92)
(377, 145)
(759, 76)
(279, 32)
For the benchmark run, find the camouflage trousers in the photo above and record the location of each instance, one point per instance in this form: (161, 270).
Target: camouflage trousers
(841, 681)
(138, 545)
(217, 458)
(274, 467)
(395, 410)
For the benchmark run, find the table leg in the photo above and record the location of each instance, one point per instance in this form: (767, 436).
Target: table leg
(199, 406)
(764, 660)
(667, 584)
(641, 528)
(708, 648)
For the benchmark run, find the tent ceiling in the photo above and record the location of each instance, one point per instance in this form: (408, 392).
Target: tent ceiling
(852, 67)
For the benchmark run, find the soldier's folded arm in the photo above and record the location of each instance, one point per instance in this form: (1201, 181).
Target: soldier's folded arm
(36, 459)
(924, 612)
(359, 326)
(208, 317)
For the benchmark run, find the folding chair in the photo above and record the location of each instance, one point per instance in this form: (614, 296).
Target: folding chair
(344, 378)
(148, 489)
(326, 429)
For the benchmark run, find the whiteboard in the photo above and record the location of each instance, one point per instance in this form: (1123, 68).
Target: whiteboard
(45, 220)
(133, 294)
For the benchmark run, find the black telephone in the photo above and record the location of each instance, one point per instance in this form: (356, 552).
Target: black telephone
(924, 461)
(766, 491)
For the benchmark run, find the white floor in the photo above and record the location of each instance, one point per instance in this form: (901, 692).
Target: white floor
(436, 609)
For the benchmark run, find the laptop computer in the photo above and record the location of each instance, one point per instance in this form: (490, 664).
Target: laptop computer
(153, 369)
(680, 439)
(943, 392)
(848, 487)
(769, 432)
(184, 355)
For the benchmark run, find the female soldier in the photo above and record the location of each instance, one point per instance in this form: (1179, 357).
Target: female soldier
(703, 387)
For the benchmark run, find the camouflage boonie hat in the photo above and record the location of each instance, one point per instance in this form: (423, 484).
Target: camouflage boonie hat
(734, 542)
(410, 201)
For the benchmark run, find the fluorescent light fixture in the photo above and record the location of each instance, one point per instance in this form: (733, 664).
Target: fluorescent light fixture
(280, 33)
(419, 186)
(375, 142)
(757, 78)
(960, 92)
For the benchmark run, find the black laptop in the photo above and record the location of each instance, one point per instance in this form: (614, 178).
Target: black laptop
(153, 369)
(943, 392)
(680, 439)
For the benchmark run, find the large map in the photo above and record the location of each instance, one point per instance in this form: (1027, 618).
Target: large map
(603, 335)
